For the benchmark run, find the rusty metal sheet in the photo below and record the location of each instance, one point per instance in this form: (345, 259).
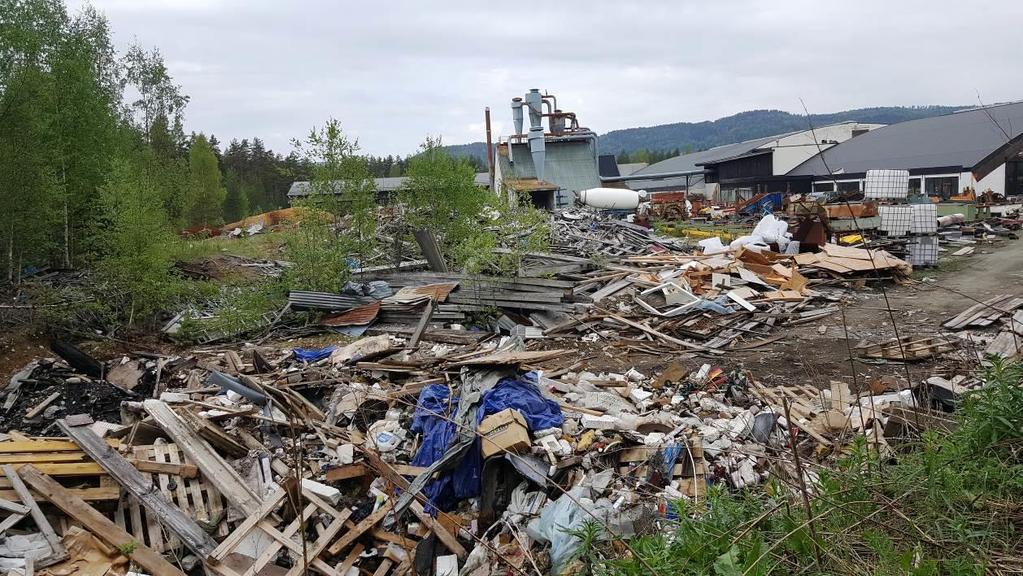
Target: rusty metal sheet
(355, 317)
(437, 292)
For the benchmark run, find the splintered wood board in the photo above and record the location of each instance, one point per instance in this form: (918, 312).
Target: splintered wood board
(196, 497)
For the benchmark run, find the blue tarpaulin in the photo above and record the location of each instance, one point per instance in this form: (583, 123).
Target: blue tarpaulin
(432, 419)
(313, 354)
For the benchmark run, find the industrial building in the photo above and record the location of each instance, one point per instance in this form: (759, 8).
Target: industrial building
(384, 188)
(550, 165)
(739, 171)
(970, 151)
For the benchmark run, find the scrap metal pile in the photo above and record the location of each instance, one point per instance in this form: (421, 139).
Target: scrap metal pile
(461, 424)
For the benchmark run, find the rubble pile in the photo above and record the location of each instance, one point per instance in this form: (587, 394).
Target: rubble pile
(455, 424)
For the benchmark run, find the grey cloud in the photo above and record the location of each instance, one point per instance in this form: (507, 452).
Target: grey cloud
(394, 72)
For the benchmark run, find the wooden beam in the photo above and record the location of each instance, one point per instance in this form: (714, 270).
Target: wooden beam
(101, 494)
(214, 469)
(358, 530)
(349, 561)
(190, 533)
(183, 470)
(56, 544)
(98, 524)
(19, 446)
(388, 473)
(38, 408)
(13, 507)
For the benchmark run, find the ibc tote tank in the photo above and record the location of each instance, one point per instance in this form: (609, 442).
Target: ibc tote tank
(610, 198)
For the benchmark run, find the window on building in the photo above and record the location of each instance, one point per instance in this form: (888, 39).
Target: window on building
(823, 186)
(914, 186)
(853, 186)
(943, 187)
(1014, 178)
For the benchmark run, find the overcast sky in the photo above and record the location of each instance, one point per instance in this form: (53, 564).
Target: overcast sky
(394, 71)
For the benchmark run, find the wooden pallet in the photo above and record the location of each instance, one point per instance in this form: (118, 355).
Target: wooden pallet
(910, 348)
(61, 459)
(195, 496)
(314, 512)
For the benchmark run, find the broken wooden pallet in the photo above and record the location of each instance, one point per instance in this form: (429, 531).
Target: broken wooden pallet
(195, 496)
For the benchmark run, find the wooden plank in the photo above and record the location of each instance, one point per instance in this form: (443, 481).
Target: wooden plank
(101, 494)
(13, 507)
(38, 408)
(358, 530)
(66, 468)
(11, 520)
(349, 561)
(661, 335)
(326, 536)
(41, 458)
(18, 446)
(172, 469)
(243, 529)
(56, 544)
(98, 524)
(392, 476)
(158, 504)
(214, 469)
(345, 472)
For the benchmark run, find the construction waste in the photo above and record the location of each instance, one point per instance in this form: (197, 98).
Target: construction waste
(416, 445)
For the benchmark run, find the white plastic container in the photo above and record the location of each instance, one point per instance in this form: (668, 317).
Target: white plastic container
(610, 198)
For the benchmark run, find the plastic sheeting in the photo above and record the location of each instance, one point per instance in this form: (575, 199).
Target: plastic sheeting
(557, 523)
(313, 354)
(433, 419)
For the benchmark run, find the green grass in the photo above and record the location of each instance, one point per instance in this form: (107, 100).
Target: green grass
(948, 504)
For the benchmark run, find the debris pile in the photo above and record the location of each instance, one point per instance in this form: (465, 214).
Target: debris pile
(454, 424)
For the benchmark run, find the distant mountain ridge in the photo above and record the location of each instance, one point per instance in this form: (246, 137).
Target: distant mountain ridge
(695, 136)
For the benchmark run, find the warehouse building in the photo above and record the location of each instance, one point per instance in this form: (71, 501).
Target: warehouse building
(976, 150)
(739, 171)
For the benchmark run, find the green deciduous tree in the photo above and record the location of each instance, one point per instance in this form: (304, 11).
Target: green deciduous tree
(204, 198)
(441, 194)
(341, 222)
(135, 240)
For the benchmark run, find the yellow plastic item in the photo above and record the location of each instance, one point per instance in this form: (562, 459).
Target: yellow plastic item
(850, 239)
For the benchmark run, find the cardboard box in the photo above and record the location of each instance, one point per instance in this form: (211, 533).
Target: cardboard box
(505, 430)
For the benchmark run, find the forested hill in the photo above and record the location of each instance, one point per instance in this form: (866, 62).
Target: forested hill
(693, 136)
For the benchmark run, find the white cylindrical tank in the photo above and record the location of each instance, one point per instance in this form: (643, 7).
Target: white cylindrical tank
(610, 198)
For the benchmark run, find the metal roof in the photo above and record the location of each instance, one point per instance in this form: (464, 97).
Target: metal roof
(961, 139)
(694, 161)
(388, 184)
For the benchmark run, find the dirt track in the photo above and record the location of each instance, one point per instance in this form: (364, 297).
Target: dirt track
(807, 355)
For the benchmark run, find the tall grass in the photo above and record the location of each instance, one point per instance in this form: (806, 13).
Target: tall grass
(952, 504)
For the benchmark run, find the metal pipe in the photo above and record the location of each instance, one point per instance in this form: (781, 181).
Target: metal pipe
(490, 148)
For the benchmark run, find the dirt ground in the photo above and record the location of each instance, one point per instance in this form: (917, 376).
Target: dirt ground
(818, 353)
(813, 353)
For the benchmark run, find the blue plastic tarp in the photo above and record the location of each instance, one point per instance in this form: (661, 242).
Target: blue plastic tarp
(432, 419)
(313, 354)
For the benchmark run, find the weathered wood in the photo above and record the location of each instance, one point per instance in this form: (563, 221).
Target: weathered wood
(213, 467)
(183, 470)
(13, 507)
(38, 408)
(243, 530)
(169, 515)
(98, 524)
(21, 446)
(101, 494)
(391, 475)
(423, 322)
(56, 544)
(661, 335)
(358, 530)
(349, 561)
